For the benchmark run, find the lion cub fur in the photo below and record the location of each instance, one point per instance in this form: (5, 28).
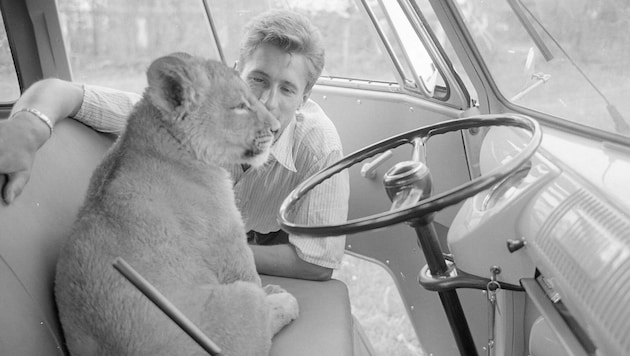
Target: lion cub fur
(162, 201)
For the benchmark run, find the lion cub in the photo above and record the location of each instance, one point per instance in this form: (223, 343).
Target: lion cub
(162, 201)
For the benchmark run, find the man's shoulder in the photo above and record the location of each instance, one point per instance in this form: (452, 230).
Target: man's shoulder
(315, 138)
(312, 122)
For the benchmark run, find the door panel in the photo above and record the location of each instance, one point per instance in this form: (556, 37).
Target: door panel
(362, 118)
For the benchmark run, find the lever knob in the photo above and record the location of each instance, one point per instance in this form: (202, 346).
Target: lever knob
(515, 245)
(406, 175)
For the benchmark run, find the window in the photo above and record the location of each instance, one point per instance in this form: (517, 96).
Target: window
(355, 53)
(566, 58)
(9, 85)
(352, 47)
(112, 42)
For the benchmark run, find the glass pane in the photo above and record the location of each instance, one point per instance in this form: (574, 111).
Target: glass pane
(418, 65)
(567, 58)
(112, 42)
(9, 85)
(352, 49)
(352, 45)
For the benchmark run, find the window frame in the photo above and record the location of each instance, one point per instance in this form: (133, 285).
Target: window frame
(33, 56)
(454, 94)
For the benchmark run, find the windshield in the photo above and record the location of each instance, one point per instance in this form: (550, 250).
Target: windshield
(567, 58)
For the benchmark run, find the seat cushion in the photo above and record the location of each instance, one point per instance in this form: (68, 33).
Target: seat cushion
(324, 326)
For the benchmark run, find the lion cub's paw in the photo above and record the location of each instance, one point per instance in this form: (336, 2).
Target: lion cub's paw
(283, 308)
(273, 289)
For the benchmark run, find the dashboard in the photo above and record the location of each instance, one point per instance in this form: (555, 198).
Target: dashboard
(548, 224)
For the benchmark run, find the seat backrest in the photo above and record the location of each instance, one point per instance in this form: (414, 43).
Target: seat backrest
(33, 227)
(31, 231)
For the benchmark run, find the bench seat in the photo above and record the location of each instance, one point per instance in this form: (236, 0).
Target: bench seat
(33, 227)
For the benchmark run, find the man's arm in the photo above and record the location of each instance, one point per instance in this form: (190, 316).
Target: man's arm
(282, 260)
(309, 257)
(25, 133)
(55, 97)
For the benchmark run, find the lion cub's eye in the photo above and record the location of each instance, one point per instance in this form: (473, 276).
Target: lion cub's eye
(241, 107)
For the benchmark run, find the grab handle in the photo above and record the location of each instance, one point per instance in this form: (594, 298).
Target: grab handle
(166, 306)
(368, 170)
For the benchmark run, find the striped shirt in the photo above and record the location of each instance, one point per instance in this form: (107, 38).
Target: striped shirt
(308, 144)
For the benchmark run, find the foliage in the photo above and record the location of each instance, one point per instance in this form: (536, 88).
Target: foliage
(378, 307)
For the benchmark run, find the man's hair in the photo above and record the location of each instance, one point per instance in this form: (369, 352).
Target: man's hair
(288, 31)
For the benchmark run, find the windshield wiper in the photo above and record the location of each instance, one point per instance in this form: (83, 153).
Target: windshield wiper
(540, 78)
(621, 125)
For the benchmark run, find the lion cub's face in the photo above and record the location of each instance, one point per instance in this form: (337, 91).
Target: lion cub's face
(210, 110)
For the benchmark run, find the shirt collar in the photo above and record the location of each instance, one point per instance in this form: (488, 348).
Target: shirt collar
(282, 149)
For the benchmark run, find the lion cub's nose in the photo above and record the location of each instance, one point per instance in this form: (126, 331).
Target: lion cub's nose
(272, 122)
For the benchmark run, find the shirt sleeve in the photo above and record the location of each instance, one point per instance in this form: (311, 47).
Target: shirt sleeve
(105, 109)
(326, 204)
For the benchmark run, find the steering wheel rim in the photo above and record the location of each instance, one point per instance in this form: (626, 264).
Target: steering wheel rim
(424, 206)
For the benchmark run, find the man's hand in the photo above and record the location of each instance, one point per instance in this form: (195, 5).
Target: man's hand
(20, 138)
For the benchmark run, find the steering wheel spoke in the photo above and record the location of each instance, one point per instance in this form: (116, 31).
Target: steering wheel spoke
(419, 153)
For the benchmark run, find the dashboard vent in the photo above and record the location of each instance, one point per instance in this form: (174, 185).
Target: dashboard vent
(584, 249)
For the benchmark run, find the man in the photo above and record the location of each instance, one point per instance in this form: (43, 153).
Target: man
(281, 58)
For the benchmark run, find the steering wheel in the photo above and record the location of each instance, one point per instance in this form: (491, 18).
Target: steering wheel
(408, 183)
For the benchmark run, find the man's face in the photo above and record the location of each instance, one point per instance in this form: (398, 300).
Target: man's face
(278, 79)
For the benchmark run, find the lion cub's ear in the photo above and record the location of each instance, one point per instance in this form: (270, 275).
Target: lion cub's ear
(170, 81)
